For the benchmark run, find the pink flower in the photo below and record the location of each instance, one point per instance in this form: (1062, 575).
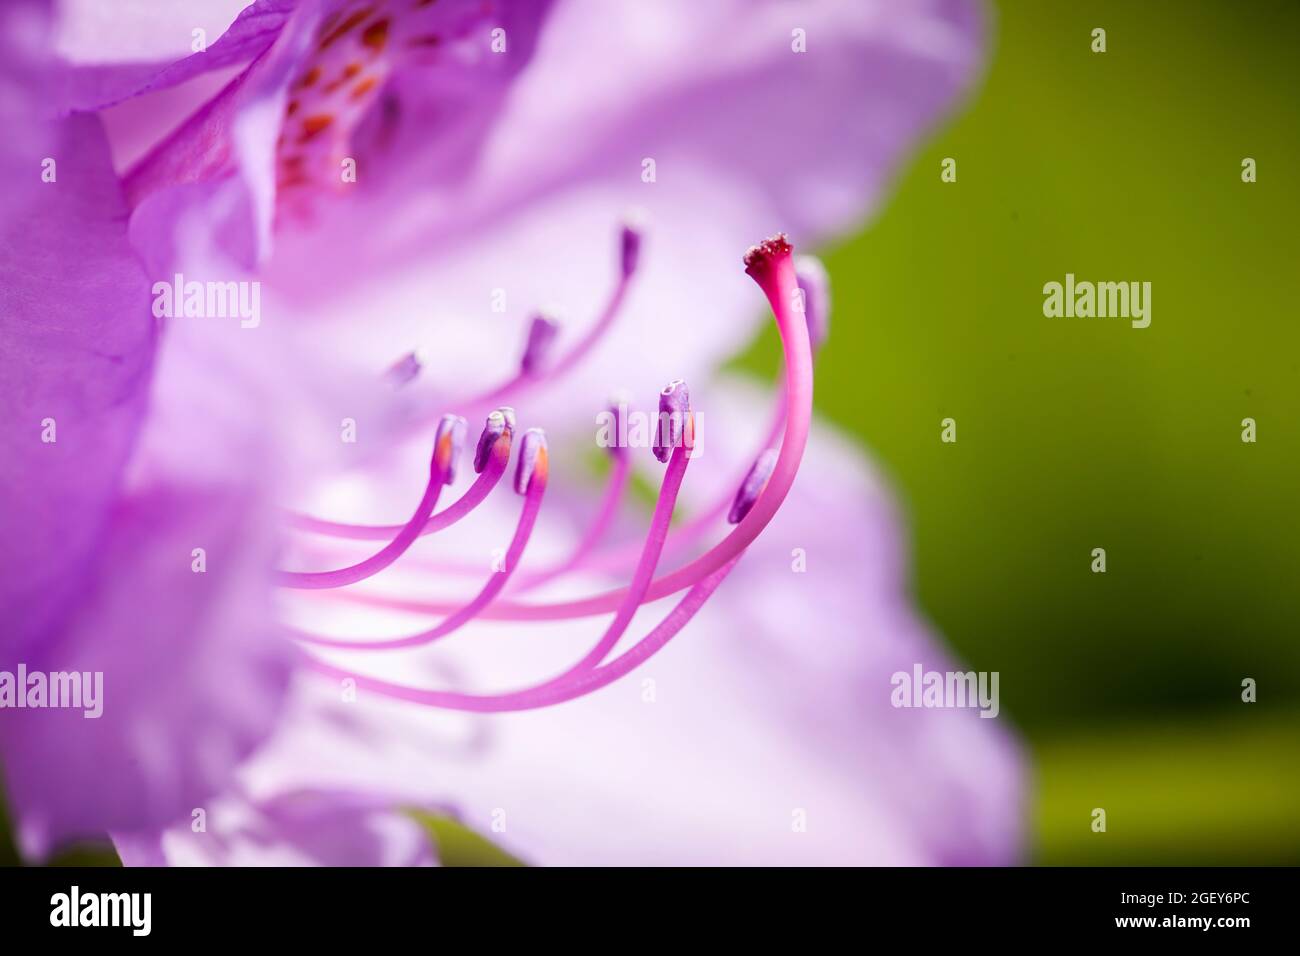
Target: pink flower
(400, 186)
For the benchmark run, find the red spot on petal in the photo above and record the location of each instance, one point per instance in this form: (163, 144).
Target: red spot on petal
(314, 125)
(376, 35)
(345, 27)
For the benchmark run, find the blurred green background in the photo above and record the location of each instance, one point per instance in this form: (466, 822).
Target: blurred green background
(1075, 434)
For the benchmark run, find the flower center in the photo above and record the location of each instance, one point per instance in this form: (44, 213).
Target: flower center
(759, 496)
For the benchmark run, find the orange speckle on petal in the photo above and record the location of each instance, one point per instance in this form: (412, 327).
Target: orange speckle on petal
(364, 87)
(376, 35)
(314, 125)
(343, 28)
(351, 70)
(291, 108)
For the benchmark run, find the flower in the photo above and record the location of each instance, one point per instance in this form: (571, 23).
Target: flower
(495, 147)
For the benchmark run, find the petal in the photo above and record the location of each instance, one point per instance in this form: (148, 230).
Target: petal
(128, 49)
(764, 734)
(305, 828)
(236, 138)
(194, 671)
(747, 137)
(218, 168)
(137, 31)
(76, 342)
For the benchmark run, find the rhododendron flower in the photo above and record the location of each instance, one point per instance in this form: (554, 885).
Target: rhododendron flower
(297, 452)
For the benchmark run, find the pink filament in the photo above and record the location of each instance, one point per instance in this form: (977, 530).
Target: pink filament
(554, 691)
(466, 613)
(645, 569)
(406, 536)
(779, 286)
(471, 499)
(521, 382)
(618, 479)
(687, 532)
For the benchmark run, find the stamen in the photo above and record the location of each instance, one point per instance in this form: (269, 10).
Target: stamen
(760, 494)
(771, 266)
(645, 571)
(471, 499)
(674, 404)
(629, 254)
(541, 336)
(815, 285)
(615, 486)
(629, 244)
(619, 475)
(441, 460)
(497, 426)
(532, 464)
(551, 692)
(460, 616)
(451, 438)
(688, 531)
(404, 369)
(752, 486)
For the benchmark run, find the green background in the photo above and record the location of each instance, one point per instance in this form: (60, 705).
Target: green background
(1082, 433)
(1074, 434)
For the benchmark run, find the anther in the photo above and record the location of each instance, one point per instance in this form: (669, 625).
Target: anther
(630, 244)
(816, 288)
(674, 407)
(752, 486)
(618, 412)
(541, 337)
(532, 460)
(448, 445)
(496, 427)
(404, 369)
